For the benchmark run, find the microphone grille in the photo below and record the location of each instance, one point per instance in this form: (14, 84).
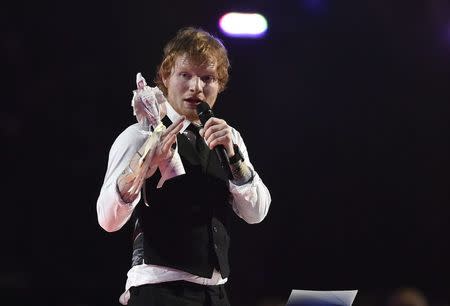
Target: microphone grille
(202, 106)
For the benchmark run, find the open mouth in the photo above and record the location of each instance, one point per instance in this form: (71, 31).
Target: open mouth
(192, 102)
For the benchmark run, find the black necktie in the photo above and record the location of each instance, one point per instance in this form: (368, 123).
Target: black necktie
(199, 144)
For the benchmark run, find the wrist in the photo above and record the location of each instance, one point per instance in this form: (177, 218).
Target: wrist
(123, 184)
(237, 156)
(242, 174)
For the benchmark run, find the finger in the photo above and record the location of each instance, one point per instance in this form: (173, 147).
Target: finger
(173, 129)
(173, 132)
(216, 131)
(221, 140)
(167, 143)
(214, 126)
(137, 186)
(137, 183)
(218, 134)
(177, 128)
(146, 164)
(213, 121)
(176, 124)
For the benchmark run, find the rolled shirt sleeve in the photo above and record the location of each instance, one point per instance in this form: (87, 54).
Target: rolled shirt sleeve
(250, 201)
(112, 211)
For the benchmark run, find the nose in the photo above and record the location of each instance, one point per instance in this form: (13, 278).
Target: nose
(196, 84)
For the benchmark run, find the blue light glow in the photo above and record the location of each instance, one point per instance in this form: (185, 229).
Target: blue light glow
(315, 6)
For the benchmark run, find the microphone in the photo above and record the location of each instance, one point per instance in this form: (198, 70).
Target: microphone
(204, 112)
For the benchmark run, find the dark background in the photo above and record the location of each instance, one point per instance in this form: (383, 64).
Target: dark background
(344, 107)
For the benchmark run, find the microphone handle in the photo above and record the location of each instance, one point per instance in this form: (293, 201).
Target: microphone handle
(204, 113)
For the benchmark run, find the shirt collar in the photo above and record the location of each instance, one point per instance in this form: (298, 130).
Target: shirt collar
(173, 115)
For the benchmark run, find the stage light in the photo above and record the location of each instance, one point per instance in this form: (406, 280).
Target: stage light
(251, 25)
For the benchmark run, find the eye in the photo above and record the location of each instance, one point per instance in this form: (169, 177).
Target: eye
(185, 75)
(208, 79)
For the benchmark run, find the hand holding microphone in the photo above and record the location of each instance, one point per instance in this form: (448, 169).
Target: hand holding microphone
(217, 134)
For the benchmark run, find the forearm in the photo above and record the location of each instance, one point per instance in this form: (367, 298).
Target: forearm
(250, 197)
(128, 176)
(112, 209)
(241, 172)
(251, 201)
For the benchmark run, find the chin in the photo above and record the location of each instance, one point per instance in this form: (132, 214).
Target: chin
(191, 115)
(192, 118)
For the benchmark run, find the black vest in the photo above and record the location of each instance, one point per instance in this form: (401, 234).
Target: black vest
(184, 226)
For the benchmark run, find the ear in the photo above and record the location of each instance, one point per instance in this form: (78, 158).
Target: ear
(165, 81)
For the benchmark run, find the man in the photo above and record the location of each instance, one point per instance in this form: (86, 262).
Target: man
(180, 249)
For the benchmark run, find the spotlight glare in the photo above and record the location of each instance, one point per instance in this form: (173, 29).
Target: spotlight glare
(243, 24)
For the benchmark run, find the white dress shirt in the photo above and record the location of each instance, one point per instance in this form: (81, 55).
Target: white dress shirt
(250, 202)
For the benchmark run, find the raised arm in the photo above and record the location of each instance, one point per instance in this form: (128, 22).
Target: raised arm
(113, 211)
(115, 202)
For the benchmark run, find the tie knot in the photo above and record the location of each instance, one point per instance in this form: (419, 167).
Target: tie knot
(193, 135)
(194, 128)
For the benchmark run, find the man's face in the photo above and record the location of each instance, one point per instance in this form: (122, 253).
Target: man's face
(189, 83)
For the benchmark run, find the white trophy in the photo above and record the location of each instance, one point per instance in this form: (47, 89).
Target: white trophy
(148, 104)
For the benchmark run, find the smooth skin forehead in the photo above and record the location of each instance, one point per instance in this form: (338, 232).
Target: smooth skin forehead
(185, 61)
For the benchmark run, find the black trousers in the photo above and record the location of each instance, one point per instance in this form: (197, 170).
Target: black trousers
(178, 293)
